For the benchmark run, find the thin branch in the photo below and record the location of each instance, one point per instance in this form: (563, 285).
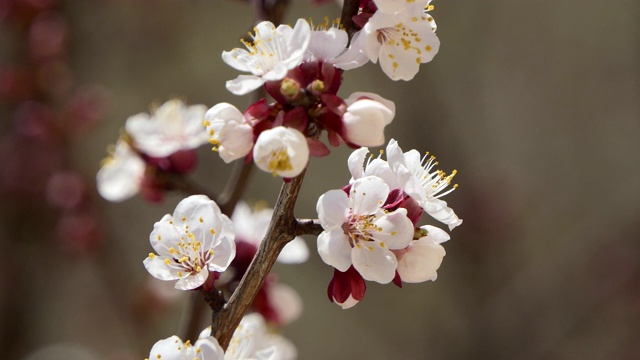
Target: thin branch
(349, 10)
(308, 227)
(281, 230)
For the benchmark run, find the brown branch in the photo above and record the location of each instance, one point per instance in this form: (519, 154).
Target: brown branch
(308, 227)
(227, 201)
(349, 10)
(282, 229)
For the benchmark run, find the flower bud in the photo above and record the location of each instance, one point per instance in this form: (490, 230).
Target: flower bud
(366, 117)
(281, 151)
(290, 88)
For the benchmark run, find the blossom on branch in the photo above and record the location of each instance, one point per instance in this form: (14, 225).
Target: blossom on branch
(172, 127)
(197, 239)
(172, 348)
(253, 340)
(269, 56)
(415, 174)
(400, 35)
(359, 232)
(121, 174)
(281, 151)
(228, 131)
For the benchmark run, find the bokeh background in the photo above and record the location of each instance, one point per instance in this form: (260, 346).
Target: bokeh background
(535, 103)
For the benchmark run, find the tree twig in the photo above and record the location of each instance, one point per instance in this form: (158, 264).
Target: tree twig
(282, 229)
(349, 10)
(308, 227)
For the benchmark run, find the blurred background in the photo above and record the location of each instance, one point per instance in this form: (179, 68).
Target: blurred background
(535, 103)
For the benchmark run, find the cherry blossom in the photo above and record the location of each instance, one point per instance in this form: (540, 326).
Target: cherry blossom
(121, 173)
(281, 151)
(413, 173)
(172, 127)
(358, 232)
(424, 184)
(400, 36)
(253, 340)
(271, 54)
(228, 131)
(172, 348)
(197, 239)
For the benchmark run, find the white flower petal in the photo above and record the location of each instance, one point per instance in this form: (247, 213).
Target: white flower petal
(121, 175)
(295, 252)
(397, 229)
(168, 349)
(420, 261)
(333, 208)
(334, 249)
(157, 266)
(356, 162)
(244, 84)
(368, 194)
(192, 281)
(374, 263)
(223, 254)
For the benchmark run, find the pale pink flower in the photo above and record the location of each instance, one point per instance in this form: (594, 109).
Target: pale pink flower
(269, 56)
(197, 239)
(358, 232)
(172, 127)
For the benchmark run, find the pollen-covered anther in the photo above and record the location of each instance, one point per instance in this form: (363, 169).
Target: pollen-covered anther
(279, 161)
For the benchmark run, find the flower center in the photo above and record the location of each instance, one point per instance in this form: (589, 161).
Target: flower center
(279, 161)
(360, 228)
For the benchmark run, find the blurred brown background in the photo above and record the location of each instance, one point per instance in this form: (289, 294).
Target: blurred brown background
(535, 103)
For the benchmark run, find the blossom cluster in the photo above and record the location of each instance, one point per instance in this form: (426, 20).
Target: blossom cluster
(161, 142)
(370, 226)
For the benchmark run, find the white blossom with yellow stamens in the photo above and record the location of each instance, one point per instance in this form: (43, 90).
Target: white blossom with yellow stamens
(358, 232)
(269, 56)
(197, 239)
(229, 133)
(401, 35)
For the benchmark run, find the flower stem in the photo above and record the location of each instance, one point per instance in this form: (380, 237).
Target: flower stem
(282, 229)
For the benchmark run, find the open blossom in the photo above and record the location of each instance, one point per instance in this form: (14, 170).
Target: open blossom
(400, 36)
(420, 261)
(424, 184)
(253, 340)
(230, 134)
(121, 174)
(271, 54)
(172, 348)
(366, 117)
(197, 239)
(174, 126)
(415, 174)
(358, 232)
(281, 151)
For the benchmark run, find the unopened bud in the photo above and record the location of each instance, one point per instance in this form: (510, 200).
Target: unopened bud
(316, 87)
(290, 88)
